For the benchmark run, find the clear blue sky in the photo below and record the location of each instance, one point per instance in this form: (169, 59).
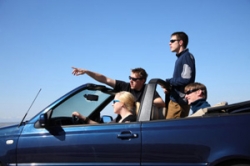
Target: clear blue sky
(41, 39)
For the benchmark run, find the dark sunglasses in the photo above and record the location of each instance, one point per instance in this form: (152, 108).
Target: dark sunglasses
(172, 41)
(134, 79)
(191, 91)
(114, 101)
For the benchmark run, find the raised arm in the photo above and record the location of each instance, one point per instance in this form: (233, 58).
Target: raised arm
(98, 77)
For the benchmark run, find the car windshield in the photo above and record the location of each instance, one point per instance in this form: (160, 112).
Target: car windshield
(84, 102)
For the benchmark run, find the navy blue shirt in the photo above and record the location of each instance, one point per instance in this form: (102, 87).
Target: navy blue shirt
(184, 73)
(199, 104)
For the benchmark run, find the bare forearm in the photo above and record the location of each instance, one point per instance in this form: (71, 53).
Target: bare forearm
(86, 119)
(98, 77)
(158, 102)
(91, 122)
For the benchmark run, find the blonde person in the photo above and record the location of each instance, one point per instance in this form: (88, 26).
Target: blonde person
(123, 104)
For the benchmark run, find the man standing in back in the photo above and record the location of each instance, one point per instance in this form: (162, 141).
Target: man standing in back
(184, 73)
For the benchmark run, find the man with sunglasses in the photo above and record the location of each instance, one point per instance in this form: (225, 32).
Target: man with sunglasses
(184, 73)
(136, 85)
(196, 95)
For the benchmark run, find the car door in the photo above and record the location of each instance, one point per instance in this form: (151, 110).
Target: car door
(175, 142)
(63, 143)
(113, 144)
(196, 140)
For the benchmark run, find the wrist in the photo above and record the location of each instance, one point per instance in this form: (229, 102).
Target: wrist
(86, 119)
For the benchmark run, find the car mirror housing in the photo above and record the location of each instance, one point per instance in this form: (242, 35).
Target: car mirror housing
(43, 120)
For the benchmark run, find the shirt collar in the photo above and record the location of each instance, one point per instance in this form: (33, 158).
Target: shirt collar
(185, 50)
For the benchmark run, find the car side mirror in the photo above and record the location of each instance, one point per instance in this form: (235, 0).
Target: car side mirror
(43, 120)
(106, 119)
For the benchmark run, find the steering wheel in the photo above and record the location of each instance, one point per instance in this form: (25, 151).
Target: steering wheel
(75, 119)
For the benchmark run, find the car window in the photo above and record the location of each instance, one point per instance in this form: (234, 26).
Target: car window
(80, 103)
(109, 110)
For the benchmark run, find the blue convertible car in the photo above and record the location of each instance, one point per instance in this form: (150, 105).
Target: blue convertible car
(219, 137)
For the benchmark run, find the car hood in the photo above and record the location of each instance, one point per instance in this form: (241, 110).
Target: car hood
(11, 130)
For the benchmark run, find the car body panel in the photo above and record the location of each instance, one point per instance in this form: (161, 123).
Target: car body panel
(8, 141)
(195, 141)
(81, 143)
(53, 138)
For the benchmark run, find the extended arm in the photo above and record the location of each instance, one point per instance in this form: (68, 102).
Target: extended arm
(98, 77)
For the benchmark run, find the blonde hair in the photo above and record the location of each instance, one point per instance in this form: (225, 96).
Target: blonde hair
(128, 99)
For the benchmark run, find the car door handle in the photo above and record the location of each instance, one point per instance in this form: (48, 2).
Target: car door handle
(127, 135)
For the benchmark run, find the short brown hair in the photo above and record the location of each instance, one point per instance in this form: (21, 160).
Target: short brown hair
(197, 85)
(141, 72)
(182, 36)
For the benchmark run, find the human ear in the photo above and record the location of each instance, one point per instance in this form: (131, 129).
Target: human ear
(200, 92)
(181, 42)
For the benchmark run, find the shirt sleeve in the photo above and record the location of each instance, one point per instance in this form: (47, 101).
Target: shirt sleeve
(186, 71)
(121, 86)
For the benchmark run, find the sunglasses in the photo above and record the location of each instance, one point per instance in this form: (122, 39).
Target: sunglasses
(114, 101)
(134, 79)
(172, 41)
(191, 91)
